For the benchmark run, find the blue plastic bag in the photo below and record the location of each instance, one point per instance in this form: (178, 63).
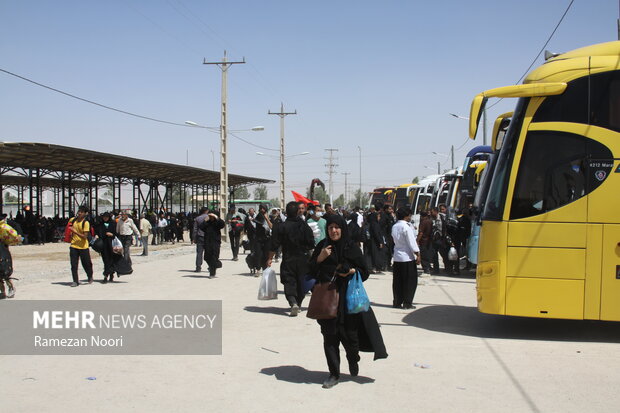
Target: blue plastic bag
(357, 299)
(307, 284)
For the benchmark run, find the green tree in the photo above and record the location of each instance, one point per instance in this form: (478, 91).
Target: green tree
(415, 180)
(242, 192)
(319, 195)
(176, 194)
(339, 202)
(8, 197)
(260, 192)
(360, 199)
(275, 202)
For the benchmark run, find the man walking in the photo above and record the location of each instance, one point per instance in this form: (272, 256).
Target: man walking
(296, 239)
(126, 229)
(145, 230)
(199, 237)
(235, 221)
(78, 250)
(406, 256)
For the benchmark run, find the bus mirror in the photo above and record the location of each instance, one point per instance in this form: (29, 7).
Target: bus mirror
(501, 124)
(515, 91)
(477, 106)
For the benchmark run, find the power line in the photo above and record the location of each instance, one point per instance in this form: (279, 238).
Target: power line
(95, 103)
(542, 49)
(210, 129)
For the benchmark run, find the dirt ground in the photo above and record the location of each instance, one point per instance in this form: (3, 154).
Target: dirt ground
(444, 356)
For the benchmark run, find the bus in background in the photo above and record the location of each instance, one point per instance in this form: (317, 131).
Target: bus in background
(447, 189)
(549, 240)
(404, 194)
(472, 166)
(484, 173)
(381, 194)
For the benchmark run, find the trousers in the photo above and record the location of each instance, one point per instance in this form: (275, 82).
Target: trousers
(82, 255)
(334, 334)
(404, 283)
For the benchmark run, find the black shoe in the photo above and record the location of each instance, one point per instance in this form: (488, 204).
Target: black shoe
(198, 269)
(105, 280)
(397, 306)
(354, 368)
(330, 382)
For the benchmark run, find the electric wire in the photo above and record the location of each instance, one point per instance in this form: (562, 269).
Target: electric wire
(95, 103)
(542, 49)
(208, 128)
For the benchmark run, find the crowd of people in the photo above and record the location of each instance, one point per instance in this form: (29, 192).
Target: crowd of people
(316, 244)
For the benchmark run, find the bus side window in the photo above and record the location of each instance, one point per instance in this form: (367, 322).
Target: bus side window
(573, 105)
(554, 171)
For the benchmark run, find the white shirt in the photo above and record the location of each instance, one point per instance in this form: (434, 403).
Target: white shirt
(405, 245)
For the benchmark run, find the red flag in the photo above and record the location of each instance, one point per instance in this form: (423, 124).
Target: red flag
(300, 198)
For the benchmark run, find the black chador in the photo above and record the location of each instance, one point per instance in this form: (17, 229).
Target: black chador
(212, 227)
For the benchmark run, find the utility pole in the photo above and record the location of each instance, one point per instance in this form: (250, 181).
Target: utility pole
(330, 171)
(452, 155)
(282, 114)
(346, 174)
(438, 168)
(360, 149)
(224, 65)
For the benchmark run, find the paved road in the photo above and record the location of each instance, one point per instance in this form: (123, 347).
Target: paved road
(444, 355)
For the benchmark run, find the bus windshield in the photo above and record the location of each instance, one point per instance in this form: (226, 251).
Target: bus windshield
(494, 206)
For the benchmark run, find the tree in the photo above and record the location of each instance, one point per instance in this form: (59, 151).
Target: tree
(415, 180)
(339, 202)
(275, 202)
(360, 199)
(260, 192)
(319, 195)
(241, 192)
(8, 197)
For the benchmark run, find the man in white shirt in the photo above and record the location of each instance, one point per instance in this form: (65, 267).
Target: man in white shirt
(162, 223)
(406, 257)
(145, 230)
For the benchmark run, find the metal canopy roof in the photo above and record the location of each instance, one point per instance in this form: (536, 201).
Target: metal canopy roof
(19, 180)
(63, 158)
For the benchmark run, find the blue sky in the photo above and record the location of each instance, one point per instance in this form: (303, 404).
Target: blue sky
(381, 75)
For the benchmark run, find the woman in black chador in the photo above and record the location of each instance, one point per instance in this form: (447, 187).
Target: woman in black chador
(106, 230)
(212, 227)
(262, 235)
(337, 257)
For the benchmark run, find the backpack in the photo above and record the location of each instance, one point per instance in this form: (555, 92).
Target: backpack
(67, 236)
(438, 231)
(452, 221)
(6, 262)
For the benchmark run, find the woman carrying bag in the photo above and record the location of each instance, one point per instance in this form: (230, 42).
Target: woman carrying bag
(106, 231)
(334, 262)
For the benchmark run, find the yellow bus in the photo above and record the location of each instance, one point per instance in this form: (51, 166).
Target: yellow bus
(550, 236)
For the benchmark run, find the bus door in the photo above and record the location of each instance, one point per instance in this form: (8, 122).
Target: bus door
(554, 238)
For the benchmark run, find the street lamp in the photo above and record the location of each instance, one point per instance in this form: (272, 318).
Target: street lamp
(432, 169)
(484, 124)
(282, 159)
(451, 155)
